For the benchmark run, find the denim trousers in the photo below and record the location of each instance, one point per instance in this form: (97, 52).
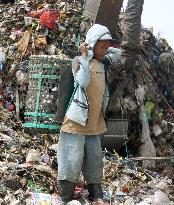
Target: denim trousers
(79, 153)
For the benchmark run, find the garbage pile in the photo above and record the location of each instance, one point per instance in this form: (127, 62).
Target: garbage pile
(145, 78)
(158, 78)
(28, 167)
(26, 162)
(40, 28)
(35, 28)
(125, 182)
(28, 172)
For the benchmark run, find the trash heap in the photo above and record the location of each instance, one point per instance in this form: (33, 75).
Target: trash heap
(28, 167)
(26, 162)
(35, 28)
(30, 33)
(125, 183)
(28, 172)
(158, 79)
(148, 82)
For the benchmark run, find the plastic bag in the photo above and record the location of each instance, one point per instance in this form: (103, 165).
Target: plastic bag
(160, 198)
(49, 19)
(45, 199)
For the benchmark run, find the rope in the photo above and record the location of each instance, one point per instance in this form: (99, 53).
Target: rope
(124, 133)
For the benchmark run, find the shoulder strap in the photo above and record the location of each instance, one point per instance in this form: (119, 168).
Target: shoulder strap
(72, 96)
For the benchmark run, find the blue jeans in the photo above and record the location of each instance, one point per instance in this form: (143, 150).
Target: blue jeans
(78, 153)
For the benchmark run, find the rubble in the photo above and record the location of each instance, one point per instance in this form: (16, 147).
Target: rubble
(28, 172)
(29, 36)
(28, 167)
(25, 165)
(35, 28)
(149, 67)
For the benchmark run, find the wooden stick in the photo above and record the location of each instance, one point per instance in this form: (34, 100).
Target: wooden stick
(151, 158)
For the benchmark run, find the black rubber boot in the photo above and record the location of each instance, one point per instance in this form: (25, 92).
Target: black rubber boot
(66, 190)
(95, 192)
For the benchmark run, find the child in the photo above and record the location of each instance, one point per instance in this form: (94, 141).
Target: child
(79, 147)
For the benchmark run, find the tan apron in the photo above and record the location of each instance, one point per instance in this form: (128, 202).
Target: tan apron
(95, 91)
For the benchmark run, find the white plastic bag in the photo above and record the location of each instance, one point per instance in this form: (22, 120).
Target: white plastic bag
(78, 109)
(160, 198)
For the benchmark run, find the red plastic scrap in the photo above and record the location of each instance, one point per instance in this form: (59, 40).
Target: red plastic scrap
(78, 192)
(49, 19)
(37, 13)
(11, 107)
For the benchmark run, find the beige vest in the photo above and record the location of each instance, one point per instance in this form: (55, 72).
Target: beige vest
(95, 91)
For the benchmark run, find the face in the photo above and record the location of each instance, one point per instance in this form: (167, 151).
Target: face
(100, 49)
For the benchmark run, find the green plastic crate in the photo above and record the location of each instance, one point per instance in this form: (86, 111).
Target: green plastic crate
(43, 91)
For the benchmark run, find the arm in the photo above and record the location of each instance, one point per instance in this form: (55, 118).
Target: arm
(80, 67)
(112, 56)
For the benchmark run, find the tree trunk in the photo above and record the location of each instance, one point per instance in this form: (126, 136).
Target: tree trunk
(108, 14)
(102, 12)
(132, 24)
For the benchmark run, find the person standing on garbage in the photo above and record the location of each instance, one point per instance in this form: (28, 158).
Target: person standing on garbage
(79, 147)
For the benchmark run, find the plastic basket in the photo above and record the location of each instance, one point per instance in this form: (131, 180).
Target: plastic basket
(43, 91)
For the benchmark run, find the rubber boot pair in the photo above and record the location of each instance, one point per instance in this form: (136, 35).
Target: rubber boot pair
(66, 192)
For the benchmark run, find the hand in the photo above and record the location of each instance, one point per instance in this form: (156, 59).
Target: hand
(84, 49)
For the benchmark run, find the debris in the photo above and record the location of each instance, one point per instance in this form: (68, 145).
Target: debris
(33, 156)
(147, 149)
(41, 198)
(28, 165)
(161, 198)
